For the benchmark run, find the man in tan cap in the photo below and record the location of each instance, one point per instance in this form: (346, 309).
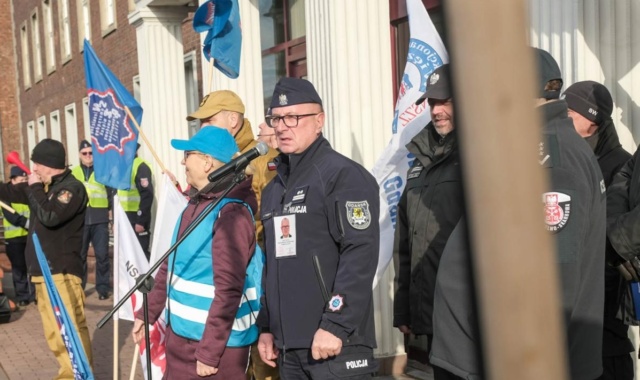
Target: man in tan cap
(225, 109)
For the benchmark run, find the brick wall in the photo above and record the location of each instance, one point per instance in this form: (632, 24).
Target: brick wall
(9, 108)
(66, 84)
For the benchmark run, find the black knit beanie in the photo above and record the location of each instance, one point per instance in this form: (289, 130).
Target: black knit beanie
(49, 153)
(591, 100)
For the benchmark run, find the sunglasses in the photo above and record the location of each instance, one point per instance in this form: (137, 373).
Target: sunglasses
(87, 153)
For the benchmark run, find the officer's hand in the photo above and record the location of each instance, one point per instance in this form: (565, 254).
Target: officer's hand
(139, 228)
(33, 178)
(325, 345)
(628, 272)
(138, 331)
(404, 329)
(205, 370)
(267, 349)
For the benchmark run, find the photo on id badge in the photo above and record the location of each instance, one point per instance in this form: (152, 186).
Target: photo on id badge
(285, 235)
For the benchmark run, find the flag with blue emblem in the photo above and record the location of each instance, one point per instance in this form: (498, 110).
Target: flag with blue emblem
(113, 133)
(79, 362)
(426, 53)
(223, 42)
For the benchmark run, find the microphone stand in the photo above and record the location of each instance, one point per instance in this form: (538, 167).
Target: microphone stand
(145, 282)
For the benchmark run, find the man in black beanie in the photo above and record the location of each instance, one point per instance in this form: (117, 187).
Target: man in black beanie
(590, 106)
(57, 202)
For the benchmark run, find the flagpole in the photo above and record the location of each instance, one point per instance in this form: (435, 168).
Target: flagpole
(211, 62)
(116, 290)
(134, 363)
(7, 207)
(144, 137)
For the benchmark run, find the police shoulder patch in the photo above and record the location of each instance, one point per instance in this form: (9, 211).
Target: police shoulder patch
(64, 196)
(336, 303)
(557, 210)
(358, 214)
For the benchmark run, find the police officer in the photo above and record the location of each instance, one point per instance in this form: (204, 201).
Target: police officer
(96, 224)
(590, 107)
(15, 233)
(317, 311)
(57, 203)
(430, 207)
(574, 209)
(138, 200)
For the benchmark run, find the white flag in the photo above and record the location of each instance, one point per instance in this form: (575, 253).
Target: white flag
(426, 53)
(170, 207)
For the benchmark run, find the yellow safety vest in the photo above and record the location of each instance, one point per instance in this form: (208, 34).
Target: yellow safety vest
(95, 190)
(130, 199)
(11, 231)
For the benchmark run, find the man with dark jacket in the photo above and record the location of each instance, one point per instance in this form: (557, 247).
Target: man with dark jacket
(138, 201)
(590, 106)
(15, 233)
(57, 202)
(316, 313)
(429, 209)
(574, 207)
(96, 224)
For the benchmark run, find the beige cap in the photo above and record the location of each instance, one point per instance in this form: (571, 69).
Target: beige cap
(223, 100)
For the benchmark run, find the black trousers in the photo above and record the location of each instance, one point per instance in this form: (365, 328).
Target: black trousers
(617, 368)
(25, 291)
(98, 236)
(353, 363)
(441, 374)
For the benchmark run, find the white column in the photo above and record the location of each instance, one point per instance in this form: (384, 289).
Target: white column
(162, 86)
(248, 85)
(349, 62)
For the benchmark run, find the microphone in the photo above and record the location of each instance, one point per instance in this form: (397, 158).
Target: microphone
(240, 162)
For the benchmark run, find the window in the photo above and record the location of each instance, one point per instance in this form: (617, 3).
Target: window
(86, 118)
(54, 121)
(137, 95)
(65, 31)
(26, 63)
(71, 129)
(50, 50)
(31, 136)
(283, 42)
(37, 51)
(191, 85)
(84, 22)
(42, 128)
(108, 20)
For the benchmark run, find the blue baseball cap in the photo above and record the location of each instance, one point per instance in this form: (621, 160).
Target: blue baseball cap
(214, 141)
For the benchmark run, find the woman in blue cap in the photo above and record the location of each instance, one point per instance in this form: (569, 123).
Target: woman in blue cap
(203, 281)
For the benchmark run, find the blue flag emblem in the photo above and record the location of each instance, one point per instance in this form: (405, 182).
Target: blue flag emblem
(109, 122)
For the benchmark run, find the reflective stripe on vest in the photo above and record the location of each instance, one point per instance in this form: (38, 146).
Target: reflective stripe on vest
(96, 191)
(11, 231)
(192, 290)
(130, 199)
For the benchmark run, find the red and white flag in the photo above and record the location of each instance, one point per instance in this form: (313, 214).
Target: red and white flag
(129, 263)
(426, 53)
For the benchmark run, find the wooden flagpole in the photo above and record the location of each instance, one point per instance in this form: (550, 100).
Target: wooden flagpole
(513, 256)
(7, 207)
(144, 138)
(134, 362)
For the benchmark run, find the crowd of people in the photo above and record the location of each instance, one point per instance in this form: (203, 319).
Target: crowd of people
(273, 277)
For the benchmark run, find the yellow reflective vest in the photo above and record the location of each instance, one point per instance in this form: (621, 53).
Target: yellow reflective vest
(95, 190)
(11, 231)
(130, 199)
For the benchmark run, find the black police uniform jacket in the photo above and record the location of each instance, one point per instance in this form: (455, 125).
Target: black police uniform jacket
(57, 217)
(322, 188)
(575, 213)
(430, 207)
(611, 157)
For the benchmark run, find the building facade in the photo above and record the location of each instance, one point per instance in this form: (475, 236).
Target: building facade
(353, 51)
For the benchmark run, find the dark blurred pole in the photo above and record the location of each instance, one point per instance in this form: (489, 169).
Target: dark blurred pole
(514, 258)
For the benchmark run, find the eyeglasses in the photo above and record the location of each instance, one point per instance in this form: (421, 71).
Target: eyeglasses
(187, 153)
(87, 153)
(290, 121)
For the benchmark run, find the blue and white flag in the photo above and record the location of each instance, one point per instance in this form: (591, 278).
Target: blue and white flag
(223, 43)
(113, 134)
(426, 53)
(79, 362)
